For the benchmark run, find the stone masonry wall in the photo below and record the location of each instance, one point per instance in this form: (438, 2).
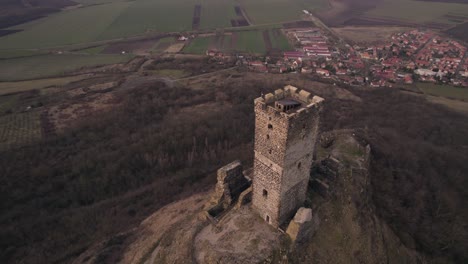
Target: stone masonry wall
(284, 144)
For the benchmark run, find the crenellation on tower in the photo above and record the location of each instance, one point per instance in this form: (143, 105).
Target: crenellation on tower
(286, 127)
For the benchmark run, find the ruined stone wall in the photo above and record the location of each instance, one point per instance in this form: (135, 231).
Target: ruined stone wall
(231, 182)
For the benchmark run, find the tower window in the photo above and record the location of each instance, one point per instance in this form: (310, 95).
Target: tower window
(269, 151)
(265, 193)
(268, 136)
(267, 218)
(299, 165)
(270, 126)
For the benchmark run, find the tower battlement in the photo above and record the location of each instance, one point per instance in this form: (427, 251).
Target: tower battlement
(295, 102)
(286, 128)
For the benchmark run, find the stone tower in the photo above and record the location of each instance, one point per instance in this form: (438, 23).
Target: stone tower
(286, 126)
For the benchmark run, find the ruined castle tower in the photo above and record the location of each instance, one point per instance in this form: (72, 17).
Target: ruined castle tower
(286, 126)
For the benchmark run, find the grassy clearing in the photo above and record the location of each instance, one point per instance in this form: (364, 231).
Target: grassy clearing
(417, 11)
(198, 45)
(52, 65)
(14, 87)
(19, 129)
(444, 91)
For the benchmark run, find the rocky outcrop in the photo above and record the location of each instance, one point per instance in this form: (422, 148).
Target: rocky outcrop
(302, 227)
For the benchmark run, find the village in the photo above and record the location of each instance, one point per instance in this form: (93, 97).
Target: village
(407, 57)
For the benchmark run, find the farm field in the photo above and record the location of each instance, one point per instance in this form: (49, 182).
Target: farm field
(14, 87)
(99, 20)
(8, 54)
(418, 11)
(199, 45)
(52, 65)
(278, 10)
(162, 44)
(19, 129)
(93, 50)
(254, 41)
(250, 41)
(278, 40)
(444, 91)
(65, 28)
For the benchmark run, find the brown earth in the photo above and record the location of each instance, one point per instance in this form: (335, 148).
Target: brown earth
(196, 17)
(299, 24)
(4, 32)
(459, 31)
(267, 40)
(242, 20)
(340, 11)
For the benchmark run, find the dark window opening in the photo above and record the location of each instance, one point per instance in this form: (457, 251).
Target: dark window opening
(299, 165)
(269, 118)
(268, 219)
(265, 193)
(269, 151)
(270, 126)
(268, 136)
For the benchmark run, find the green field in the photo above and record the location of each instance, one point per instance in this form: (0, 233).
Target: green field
(417, 11)
(7, 54)
(276, 11)
(278, 40)
(245, 41)
(444, 91)
(250, 41)
(217, 13)
(199, 45)
(100, 20)
(68, 27)
(14, 87)
(52, 65)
